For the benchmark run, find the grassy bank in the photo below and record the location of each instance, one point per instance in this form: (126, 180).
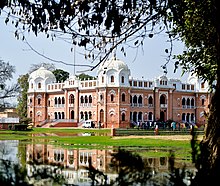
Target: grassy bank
(101, 139)
(92, 136)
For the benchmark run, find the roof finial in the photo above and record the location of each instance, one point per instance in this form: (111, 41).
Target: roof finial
(114, 49)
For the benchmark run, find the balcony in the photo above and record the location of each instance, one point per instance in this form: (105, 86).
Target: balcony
(85, 104)
(59, 105)
(150, 105)
(188, 107)
(71, 105)
(136, 104)
(163, 105)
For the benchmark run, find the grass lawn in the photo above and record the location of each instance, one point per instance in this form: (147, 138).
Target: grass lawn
(100, 139)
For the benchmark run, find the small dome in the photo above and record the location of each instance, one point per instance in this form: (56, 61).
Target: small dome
(43, 73)
(163, 77)
(113, 63)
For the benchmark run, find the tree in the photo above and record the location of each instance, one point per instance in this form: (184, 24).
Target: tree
(48, 66)
(197, 24)
(6, 92)
(85, 77)
(60, 75)
(100, 26)
(22, 98)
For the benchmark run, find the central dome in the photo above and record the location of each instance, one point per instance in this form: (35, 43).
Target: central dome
(113, 63)
(43, 73)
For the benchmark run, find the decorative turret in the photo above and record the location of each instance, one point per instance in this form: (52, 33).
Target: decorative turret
(113, 73)
(200, 85)
(39, 79)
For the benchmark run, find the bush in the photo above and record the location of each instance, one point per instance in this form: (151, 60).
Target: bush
(10, 127)
(20, 127)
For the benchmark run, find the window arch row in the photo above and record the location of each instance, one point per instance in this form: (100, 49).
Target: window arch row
(188, 102)
(59, 115)
(85, 115)
(136, 100)
(188, 117)
(59, 102)
(86, 100)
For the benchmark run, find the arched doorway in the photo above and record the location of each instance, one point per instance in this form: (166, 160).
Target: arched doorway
(101, 115)
(162, 99)
(162, 116)
(135, 117)
(72, 114)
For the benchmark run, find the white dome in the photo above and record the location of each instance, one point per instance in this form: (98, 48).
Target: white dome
(43, 73)
(163, 77)
(113, 63)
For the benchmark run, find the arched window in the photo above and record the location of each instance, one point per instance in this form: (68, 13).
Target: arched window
(183, 117)
(103, 79)
(123, 117)
(55, 101)
(90, 115)
(63, 100)
(123, 97)
(39, 85)
(122, 79)
(192, 117)
(59, 100)
(81, 99)
(86, 99)
(90, 99)
(192, 102)
(31, 114)
(63, 115)
(203, 102)
(48, 103)
(162, 99)
(150, 100)
(101, 97)
(183, 101)
(32, 85)
(81, 115)
(188, 102)
(140, 99)
(203, 85)
(135, 99)
(30, 101)
(59, 115)
(55, 115)
(38, 101)
(86, 115)
(187, 117)
(71, 99)
(112, 79)
(112, 97)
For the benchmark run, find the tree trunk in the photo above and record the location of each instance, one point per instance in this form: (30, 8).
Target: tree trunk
(208, 163)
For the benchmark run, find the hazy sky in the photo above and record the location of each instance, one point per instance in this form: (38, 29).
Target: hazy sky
(147, 64)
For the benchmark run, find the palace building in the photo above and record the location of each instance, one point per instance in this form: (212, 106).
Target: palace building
(114, 98)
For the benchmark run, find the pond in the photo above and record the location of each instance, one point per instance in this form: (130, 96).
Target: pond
(71, 161)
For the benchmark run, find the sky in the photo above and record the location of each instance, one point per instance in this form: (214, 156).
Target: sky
(144, 64)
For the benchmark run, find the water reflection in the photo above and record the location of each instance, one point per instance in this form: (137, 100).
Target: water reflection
(9, 150)
(74, 161)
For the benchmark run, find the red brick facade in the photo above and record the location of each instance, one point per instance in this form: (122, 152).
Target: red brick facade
(115, 99)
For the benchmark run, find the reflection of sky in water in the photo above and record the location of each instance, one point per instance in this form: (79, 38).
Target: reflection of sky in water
(9, 150)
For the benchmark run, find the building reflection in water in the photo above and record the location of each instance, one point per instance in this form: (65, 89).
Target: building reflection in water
(74, 161)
